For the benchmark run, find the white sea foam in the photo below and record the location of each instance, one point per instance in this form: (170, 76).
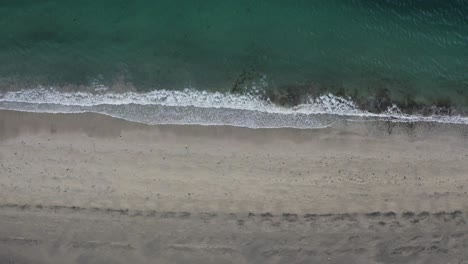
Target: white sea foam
(52, 100)
(324, 104)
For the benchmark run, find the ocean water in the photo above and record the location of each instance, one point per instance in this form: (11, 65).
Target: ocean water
(264, 63)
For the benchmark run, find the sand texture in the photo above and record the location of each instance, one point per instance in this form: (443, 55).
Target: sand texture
(88, 188)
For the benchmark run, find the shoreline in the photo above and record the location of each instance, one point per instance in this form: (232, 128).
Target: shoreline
(193, 107)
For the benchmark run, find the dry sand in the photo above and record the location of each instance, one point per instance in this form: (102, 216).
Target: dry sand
(87, 188)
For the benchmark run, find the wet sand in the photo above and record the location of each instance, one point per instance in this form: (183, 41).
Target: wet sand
(88, 188)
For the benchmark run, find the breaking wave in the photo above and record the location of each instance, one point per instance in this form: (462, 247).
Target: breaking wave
(205, 108)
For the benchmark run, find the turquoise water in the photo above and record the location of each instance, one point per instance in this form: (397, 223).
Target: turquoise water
(410, 52)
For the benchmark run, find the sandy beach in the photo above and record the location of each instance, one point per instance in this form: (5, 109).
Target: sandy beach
(89, 188)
